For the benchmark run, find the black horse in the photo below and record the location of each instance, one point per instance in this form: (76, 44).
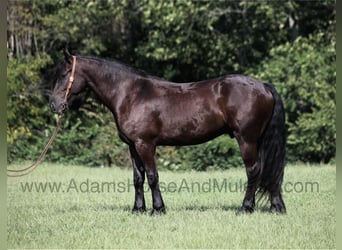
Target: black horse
(149, 111)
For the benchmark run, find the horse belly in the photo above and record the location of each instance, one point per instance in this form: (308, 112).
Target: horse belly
(192, 127)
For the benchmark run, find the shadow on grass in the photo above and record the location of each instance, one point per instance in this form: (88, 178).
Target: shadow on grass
(80, 208)
(232, 208)
(203, 208)
(128, 209)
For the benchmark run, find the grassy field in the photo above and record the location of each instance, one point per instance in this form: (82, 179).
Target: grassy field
(77, 207)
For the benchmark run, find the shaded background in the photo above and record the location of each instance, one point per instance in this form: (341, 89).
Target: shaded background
(289, 43)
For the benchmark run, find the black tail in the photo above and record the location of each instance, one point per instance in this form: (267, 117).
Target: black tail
(272, 149)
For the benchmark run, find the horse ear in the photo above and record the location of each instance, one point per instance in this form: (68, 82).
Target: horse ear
(67, 55)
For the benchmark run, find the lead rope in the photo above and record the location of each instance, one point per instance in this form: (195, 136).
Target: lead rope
(29, 169)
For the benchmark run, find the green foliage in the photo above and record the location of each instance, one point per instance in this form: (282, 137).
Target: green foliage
(173, 158)
(305, 75)
(221, 153)
(90, 140)
(192, 40)
(26, 101)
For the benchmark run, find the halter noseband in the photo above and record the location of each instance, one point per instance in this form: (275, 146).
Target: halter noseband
(71, 78)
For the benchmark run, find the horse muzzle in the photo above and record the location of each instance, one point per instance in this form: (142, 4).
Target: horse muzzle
(58, 108)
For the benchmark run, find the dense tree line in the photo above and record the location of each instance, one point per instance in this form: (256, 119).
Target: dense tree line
(290, 43)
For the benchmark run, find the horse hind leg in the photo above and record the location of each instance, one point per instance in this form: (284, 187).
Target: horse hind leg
(277, 203)
(253, 169)
(272, 159)
(139, 179)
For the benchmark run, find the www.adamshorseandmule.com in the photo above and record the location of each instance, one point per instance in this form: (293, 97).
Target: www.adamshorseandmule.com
(211, 185)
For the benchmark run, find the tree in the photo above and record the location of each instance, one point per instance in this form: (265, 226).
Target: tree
(193, 40)
(305, 74)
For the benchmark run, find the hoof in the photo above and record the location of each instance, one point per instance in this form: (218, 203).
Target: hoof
(277, 209)
(140, 210)
(245, 210)
(159, 211)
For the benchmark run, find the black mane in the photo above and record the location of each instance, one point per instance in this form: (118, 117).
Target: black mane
(115, 64)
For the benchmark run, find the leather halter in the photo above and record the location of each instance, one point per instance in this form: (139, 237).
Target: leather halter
(71, 78)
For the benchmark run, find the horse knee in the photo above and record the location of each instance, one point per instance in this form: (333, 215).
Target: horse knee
(138, 180)
(152, 178)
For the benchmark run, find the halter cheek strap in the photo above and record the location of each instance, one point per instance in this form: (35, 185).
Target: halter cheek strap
(71, 78)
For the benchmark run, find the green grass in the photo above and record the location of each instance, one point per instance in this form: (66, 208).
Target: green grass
(196, 217)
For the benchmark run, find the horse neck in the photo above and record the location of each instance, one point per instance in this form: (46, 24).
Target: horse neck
(104, 80)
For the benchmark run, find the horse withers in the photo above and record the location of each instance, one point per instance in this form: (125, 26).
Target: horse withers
(149, 111)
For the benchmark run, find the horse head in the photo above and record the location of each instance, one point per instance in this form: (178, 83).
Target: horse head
(68, 82)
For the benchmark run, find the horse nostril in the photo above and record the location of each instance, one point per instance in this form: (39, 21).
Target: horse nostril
(53, 107)
(63, 106)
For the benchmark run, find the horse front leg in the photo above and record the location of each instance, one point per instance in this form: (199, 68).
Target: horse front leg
(146, 152)
(139, 179)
